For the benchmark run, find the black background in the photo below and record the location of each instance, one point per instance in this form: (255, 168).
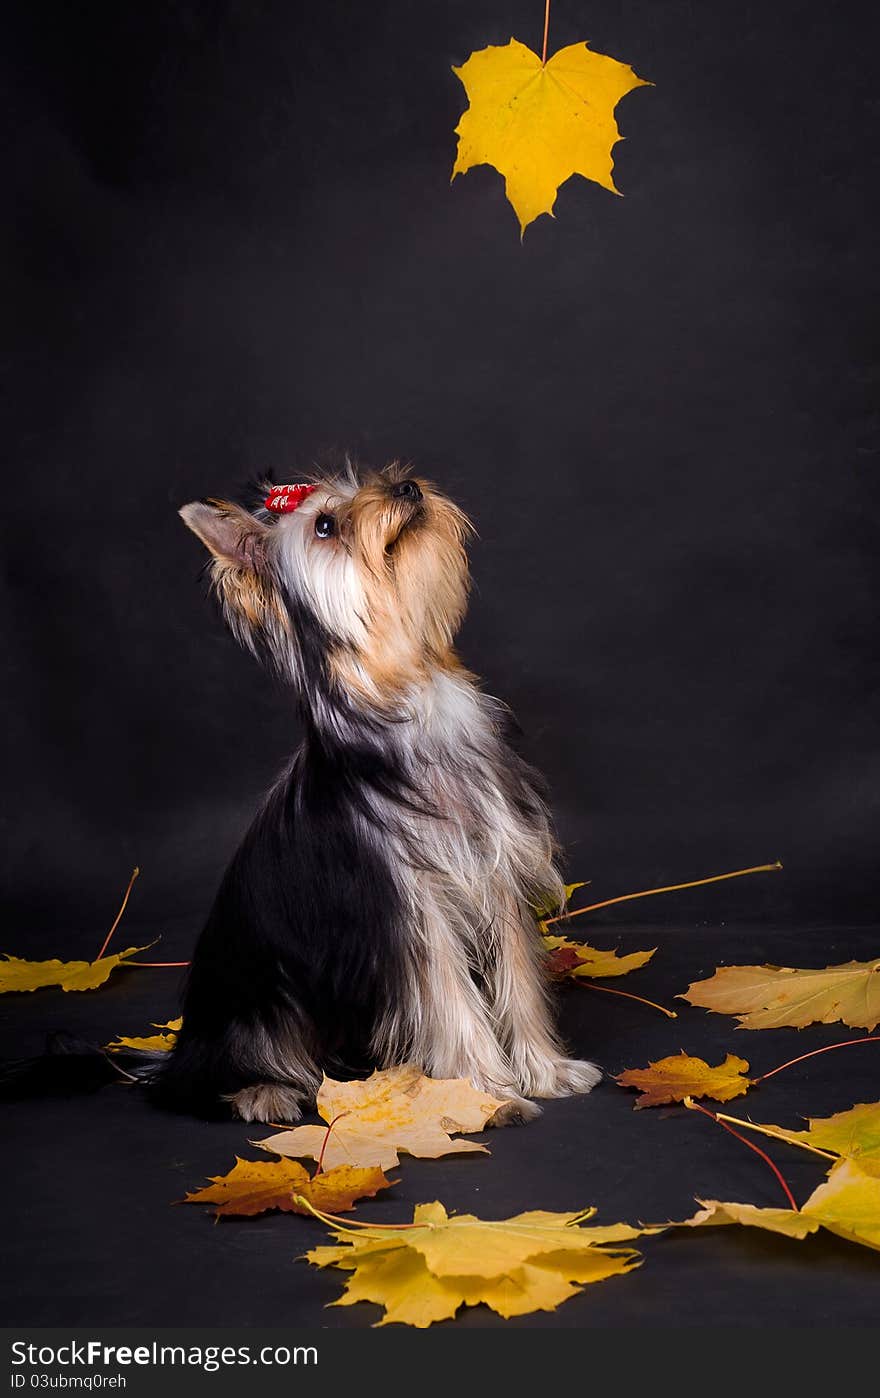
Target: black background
(230, 244)
(233, 245)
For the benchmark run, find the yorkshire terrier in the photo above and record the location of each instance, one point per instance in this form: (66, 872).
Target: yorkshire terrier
(380, 909)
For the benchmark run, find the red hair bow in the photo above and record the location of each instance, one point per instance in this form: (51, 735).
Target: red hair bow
(284, 499)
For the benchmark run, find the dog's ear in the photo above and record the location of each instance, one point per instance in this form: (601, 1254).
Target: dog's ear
(230, 533)
(241, 572)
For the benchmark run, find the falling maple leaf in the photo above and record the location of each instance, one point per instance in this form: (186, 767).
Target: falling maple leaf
(256, 1186)
(426, 1271)
(151, 1043)
(538, 122)
(397, 1109)
(672, 1079)
(850, 1135)
(776, 997)
(16, 974)
(577, 960)
(847, 1203)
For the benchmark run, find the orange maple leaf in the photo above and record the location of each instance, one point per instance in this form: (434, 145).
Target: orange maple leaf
(257, 1186)
(672, 1079)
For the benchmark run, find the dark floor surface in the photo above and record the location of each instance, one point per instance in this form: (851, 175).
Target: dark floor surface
(91, 1236)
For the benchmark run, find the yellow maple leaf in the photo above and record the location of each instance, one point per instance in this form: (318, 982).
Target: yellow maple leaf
(576, 959)
(255, 1186)
(679, 1076)
(146, 1043)
(851, 1135)
(713, 1213)
(847, 1203)
(411, 1295)
(425, 1272)
(16, 974)
(539, 123)
(397, 1109)
(547, 908)
(775, 997)
(150, 1043)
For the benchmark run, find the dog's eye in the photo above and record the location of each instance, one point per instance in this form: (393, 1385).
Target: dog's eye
(325, 526)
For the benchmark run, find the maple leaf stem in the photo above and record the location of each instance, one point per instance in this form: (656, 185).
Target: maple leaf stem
(546, 31)
(338, 1117)
(669, 888)
(627, 995)
(348, 1225)
(695, 1106)
(847, 1043)
(134, 873)
(155, 963)
(776, 1135)
(118, 1069)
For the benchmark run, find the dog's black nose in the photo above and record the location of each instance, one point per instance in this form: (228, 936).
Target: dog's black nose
(406, 490)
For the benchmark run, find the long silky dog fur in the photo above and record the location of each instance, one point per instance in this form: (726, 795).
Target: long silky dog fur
(380, 909)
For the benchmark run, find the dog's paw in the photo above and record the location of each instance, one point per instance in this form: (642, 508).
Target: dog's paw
(574, 1075)
(515, 1112)
(268, 1101)
(541, 1076)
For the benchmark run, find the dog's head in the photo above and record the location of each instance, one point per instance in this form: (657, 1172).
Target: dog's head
(358, 581)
